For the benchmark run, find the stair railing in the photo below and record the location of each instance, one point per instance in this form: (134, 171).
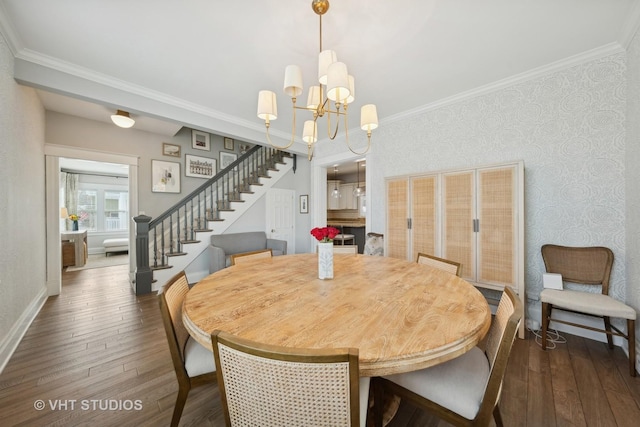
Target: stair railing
(166, 235)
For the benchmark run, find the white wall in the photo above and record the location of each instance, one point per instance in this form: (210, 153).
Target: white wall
(255, 220)
(22, 211)
(569, 128)
(62, 129)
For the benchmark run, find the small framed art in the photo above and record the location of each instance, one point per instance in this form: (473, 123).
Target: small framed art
(165, 177)
(228, 144)
(170, 150)
(199, 167)
(200, 140)
(304, 204)
(226, 159)
(244, 148)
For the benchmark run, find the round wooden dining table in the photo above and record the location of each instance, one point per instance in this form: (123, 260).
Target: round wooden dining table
(401, 316)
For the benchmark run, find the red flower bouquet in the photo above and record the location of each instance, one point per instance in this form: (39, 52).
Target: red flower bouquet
(325, 234)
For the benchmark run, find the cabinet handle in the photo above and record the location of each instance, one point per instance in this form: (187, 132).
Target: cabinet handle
(476, 225)
(409, 223)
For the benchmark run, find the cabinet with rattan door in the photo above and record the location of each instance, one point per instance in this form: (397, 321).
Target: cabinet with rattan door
(471, 216)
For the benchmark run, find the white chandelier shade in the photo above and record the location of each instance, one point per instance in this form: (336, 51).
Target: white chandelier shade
(331, 97)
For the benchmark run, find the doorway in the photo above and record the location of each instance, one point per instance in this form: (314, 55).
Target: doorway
(96, 195)
(53, 154)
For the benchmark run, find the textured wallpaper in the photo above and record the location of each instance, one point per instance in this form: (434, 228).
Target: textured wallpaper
(22, 212)
(569, 129)
(632, 158)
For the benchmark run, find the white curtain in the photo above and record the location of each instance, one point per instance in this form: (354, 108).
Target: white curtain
(69, 181)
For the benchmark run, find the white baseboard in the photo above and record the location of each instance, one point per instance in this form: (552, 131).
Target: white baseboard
(10, 342)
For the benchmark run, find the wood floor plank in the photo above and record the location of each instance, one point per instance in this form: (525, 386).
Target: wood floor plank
(97, 341)
(567, 404)
(595, 406)
(513, 400)
(540, 406)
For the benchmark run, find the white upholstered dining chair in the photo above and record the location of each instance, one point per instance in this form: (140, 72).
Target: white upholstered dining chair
(250, 256)
(192, 362)
(589, 266)
(440, 263)
(345, 249)
(266, 385)
(464, 391)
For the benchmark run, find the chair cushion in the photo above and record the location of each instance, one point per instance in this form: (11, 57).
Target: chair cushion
(374, 245)
(586, 302)
(198, 359)
(458, 384)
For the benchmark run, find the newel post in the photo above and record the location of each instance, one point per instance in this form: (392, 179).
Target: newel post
(144, 274)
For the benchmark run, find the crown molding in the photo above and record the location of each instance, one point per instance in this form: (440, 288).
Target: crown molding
(631, 26)
(7, 31)
(76, 71)
(591, 55)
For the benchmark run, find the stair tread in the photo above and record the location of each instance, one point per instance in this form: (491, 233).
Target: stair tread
(176, 254)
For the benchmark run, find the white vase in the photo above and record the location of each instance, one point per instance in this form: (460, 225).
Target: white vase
(325, 260)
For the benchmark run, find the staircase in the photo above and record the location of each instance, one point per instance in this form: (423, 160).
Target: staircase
(167, 244)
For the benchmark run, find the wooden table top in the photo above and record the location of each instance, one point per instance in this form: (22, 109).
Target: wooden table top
(402, 316)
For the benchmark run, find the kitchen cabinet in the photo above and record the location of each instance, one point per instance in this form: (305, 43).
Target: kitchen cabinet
(348, 200)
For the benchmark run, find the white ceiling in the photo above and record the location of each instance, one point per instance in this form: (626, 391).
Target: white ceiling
(201, 63)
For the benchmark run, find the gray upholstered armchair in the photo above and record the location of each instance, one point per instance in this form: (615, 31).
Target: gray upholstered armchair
(224, 245)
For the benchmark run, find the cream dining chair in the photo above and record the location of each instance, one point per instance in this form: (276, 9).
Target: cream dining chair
(464, 391)
(440, 263)
(191, 361)
(250, 256)
(589, 266)
(345, 249)
(266, 385)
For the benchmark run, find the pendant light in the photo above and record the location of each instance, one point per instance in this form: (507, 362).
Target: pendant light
(335, 193)
(359, 191)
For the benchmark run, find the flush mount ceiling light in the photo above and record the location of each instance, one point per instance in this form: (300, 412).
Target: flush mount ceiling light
(122, 119)
(331, 97)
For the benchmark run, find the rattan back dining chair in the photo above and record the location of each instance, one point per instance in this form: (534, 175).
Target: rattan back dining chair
(345, 249)
(250, 256)
(440, 263)
(192, 362)
(589, 266)
(464, 391)
(266, 385)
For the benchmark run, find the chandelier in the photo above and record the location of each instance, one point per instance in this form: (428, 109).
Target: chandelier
(331, 97)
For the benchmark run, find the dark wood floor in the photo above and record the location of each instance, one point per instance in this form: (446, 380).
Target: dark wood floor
(99, 345)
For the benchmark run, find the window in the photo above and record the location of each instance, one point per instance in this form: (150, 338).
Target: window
(87, 209)
(116, 210)
(103, 210)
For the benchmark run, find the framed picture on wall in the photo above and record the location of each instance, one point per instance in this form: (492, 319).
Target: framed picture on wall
(171, 150)
(244, 148)
(304, 204)
(228, 144)
(226, 159)
(165, 177)
(200, 140)
(199, 167)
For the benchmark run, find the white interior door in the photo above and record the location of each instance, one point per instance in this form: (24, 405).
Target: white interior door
(281, 216)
